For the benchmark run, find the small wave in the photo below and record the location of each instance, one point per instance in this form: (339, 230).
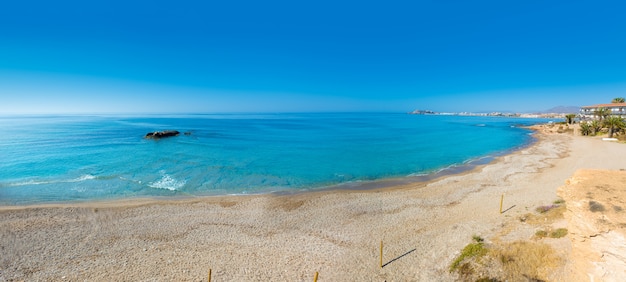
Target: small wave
(83, 178)
(417, 174)
(167, 182)
(40, 182)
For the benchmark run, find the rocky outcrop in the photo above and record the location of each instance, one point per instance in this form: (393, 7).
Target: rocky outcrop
(596, 214)
(162, 134)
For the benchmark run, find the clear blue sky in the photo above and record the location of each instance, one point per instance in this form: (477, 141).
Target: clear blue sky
(290, 56)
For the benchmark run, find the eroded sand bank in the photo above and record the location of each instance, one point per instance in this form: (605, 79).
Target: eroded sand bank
(596, 214)
(289, 238)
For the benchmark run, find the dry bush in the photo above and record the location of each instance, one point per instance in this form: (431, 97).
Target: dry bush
(523, 261)
(545, 213)
(559, 233)
(541, 234)
(595, 206)
(516, 261)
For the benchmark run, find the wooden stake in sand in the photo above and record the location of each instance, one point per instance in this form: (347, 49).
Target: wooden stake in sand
(381, 254)
(209, 275)
(501, 200)
(315, 278)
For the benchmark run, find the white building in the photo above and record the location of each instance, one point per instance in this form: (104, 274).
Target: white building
(618, 109)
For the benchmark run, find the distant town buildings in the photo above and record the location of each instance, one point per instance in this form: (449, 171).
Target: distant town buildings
(617, 108)
(422, 112)
(492, 114)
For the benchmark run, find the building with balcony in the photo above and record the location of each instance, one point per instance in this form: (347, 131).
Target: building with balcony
(618, 109)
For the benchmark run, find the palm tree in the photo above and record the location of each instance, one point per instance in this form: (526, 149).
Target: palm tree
(595, 127)
(569, 118)
(585, 128)
(614, 123)
(618, 100)
(602, 113)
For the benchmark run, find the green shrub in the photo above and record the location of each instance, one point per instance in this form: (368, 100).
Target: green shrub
(477, 239)
(559, 233)
(471, 250)
(541, 234)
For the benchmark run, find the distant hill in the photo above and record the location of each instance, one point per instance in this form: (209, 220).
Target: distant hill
(563, 110)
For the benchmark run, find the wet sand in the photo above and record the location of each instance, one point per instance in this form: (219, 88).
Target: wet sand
(290, 237)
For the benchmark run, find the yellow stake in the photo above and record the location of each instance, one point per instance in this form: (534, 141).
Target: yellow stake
(381, 254)
(209, 275)
(315, 278)
(501, 200)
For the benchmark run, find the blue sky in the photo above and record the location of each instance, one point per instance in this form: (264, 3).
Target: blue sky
(308, 56)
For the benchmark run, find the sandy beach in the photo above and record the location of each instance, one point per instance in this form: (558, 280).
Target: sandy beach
(423, 226)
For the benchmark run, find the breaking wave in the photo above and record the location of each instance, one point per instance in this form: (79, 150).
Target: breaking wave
(40, 182)
(167, 182)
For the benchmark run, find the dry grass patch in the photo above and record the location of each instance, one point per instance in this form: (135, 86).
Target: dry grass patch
(515, 261)
(544, 214)
(541, 234)
(557, 233)
(523, 260)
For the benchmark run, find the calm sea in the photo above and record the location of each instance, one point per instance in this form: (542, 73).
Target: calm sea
(74, 158)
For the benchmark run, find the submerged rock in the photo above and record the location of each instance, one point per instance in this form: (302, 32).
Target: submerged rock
(162, 134)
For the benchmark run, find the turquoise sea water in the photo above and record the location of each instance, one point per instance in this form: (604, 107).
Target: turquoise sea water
(69, 158)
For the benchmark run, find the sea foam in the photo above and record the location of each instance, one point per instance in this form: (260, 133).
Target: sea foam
(167, 182)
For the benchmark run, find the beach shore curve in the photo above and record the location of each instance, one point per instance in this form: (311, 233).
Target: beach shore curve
(336, 233)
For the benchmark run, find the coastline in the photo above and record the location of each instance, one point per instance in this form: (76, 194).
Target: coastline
(360, 185)
(144, 175)
(384, 183)
(290, 237)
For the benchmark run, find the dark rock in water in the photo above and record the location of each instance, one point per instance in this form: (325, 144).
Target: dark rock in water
(161, 134)
(187, 133)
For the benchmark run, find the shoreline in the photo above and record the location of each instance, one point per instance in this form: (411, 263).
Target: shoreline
(290, 237)
(384, 183)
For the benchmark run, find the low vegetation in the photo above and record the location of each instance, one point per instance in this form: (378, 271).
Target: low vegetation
(476, 249)
(595, 206)
(565, 129)
(545, 209)
(541, 234)
(557, 233)
(527, 261)
(515, 261)
(545, 213)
